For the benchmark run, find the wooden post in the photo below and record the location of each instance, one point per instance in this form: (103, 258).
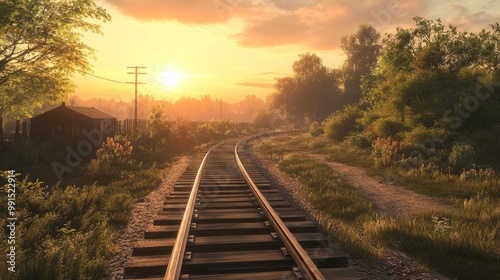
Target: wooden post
(25, 129)
(18, 130)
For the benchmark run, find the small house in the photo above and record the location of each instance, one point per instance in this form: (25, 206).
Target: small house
(72, 122)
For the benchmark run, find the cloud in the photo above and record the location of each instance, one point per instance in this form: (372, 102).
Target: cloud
(256, 84)
(290, 5)
(315, 24)
(268, 73)
(321, 25)
(466, 18)
(191, 12)
(279, 30)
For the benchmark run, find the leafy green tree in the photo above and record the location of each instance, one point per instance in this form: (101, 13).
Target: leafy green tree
(438, 85)
(425, 70)
(40, 49)
(433, 46)
(362, 50)
(312, 90)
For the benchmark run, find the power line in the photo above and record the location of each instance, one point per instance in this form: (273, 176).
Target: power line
(160, 90)
(102, 78)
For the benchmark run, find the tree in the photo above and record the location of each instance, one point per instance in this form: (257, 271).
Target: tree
(433, 46)
(312, 90)
(40, 49)
(429, 68)
(244, 110)
(362, 50)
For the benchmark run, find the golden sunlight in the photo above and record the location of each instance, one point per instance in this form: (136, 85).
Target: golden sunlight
(171, 78)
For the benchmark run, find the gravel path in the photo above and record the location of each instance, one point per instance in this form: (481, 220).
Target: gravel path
(142, 215)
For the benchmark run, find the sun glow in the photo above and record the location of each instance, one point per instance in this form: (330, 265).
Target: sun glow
(171, 78)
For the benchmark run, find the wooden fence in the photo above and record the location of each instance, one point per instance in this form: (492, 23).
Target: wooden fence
(127, 126)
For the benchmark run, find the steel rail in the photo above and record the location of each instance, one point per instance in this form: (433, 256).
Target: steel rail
(306, 265)
(177, 256)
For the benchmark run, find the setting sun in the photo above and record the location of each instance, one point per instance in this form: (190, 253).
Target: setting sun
(171, 78)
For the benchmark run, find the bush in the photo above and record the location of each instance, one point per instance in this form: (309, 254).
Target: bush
(268, 118)
(184, 134)
(216, 130)
(315, 129)
(425, 145)
(388, 128)
(341, 123)
(114, 153)
(111, 159)
(360, 140)
(386, 151)
(486, 143)
(65, 234)
(461, 156)
(422, 135)
(369, 118)
(118, 207)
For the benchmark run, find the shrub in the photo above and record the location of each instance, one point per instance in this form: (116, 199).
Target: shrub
(423, 135)
(338, 125)
(118, 207)
(425, 145)
(369, 118)
(111, 159)
(486, 143)
(360, 140)
(481, 175)
(184, 134)
(65, 234)
(155, 142)
(386, 151)
(388, 127)
(216, 130)
(461, 156)
(268, 118)
(112, 152)
(315, 129)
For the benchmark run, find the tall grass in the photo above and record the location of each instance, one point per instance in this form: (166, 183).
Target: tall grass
(332, 198)
(341, 152)
(463, 243)
(447, 185)
(66, 232)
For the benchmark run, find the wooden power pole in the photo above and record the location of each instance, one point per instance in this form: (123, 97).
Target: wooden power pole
(220, 108)
(136, 82)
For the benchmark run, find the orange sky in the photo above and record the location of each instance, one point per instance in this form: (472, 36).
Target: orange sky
(232, 48)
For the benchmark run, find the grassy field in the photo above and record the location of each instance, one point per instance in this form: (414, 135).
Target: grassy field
(463, 243)
(67, 232)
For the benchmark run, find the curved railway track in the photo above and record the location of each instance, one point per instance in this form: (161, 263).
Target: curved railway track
(224, 220)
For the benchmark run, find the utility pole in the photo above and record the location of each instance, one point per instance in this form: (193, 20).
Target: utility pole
(136, 73)
(220, 108)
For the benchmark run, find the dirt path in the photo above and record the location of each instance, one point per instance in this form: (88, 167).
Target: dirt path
(393, 264)
(390, 199)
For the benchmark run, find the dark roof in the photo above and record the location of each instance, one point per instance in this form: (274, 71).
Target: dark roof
(91, 112)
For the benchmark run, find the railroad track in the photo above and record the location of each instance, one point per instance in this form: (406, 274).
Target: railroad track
(224, 220)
